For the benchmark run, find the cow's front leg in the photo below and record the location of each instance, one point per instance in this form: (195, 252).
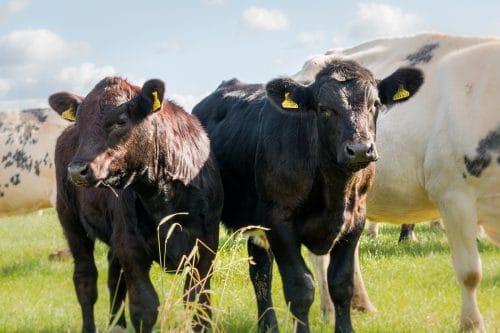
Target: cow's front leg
(298, 283)
(143, 300)
(261, 275)
(460, 220)
(340, 276)
(360, 300)
(85, 270)
(198, 282)
(117, 290)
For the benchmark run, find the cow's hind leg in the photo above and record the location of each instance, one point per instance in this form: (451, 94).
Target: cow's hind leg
(320, 264)
(117, 291)
(340, 277)
(460, 220)
(407, 233)
(261, 275)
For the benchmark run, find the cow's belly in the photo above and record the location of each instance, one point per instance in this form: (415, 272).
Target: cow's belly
(401, 212)
(399, 198)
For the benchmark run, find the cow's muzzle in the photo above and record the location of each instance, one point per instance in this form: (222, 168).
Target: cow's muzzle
(359, 153)
(80, 174)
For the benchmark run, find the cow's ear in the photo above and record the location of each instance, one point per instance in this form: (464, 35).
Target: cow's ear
(288, 94)
(151, 98)
(65, 104)
(400, 85)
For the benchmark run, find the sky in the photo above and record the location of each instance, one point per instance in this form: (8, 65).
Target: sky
(48, 46)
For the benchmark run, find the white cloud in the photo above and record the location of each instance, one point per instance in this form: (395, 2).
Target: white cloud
(28, 50)
(258, 18)
(381, 20)
(4, 87)
(187, 101)
(11, 8)
(310, 37)
(81, 79)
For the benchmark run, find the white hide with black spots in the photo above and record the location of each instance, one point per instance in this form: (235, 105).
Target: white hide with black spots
(440, 151)
(27, 174)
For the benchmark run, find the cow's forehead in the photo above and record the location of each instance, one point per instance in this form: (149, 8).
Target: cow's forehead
(346, 94)
(110, 93)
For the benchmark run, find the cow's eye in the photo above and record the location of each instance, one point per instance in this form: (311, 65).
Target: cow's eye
(325, 111)
(120, 122)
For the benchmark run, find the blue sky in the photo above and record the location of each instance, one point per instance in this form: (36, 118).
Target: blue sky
(51, 45)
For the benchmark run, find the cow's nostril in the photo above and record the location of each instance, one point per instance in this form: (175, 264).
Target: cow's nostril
(349, 151)
(84, 170)
(79, 173)
(370, 150)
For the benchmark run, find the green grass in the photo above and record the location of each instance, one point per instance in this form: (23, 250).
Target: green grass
(412, 285)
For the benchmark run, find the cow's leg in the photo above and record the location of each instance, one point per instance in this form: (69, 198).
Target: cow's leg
(320, 264)
(340, 277)
(198, 282)
(407, 233)
(117, 289)
(143, 300)
(261, 275)
(85, 270)
(360, 300)
(373, 229)
(298, 283)
(460, 220)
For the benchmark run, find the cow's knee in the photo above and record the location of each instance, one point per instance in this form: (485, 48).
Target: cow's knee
(471, 319)
(85, 281)
(300, 295)
(340, 291)
(144, 313)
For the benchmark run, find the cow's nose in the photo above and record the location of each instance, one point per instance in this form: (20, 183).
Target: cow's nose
(79, 173)
(360, 152)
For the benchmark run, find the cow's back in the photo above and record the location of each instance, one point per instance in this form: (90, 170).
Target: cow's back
(230, 116)
(424, 144)
(27, 179)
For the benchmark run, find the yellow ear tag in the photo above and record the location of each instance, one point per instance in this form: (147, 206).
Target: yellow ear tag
(288, 103)
(156, 102)
(402, 93)
(69, 114)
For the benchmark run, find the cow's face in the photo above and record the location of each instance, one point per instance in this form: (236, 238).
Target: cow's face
(346, 99)
(108, 123)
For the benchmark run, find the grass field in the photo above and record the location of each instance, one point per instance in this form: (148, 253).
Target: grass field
(412, 285)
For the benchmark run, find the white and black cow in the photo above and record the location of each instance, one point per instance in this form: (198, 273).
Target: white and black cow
(297, 160)
(439, 154)
(27, 176)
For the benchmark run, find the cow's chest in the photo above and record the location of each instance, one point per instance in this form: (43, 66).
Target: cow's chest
(329, 210)
(318, 231)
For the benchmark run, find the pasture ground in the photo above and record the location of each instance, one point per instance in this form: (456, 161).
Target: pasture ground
(412, 285)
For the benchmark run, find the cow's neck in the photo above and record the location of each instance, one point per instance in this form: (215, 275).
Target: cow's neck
(341, 192)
